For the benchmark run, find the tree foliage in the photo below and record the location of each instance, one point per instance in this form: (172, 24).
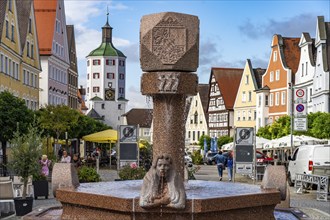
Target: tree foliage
(318, 126)
(14, 115)
(26, 150)
(56, 120)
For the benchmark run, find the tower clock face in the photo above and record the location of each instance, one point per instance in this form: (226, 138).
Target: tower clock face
(109, 94)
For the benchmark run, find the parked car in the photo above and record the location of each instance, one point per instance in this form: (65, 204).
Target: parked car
(188, 160)
(305, 157)
(263, 159)
(209, 158)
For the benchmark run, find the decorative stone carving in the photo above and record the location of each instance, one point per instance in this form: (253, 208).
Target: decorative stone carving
(162, 186)
(169, 41)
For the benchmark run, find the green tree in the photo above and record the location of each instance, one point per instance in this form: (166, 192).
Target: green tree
(56, 120)
(13, 115)
(321, 126)
(224, 140)
(26, 150)
(85, 126)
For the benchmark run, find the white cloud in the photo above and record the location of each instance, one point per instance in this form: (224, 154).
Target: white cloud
(136, 99)
(81, 11)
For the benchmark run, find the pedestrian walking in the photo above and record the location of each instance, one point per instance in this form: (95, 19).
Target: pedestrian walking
(221, 163)
(230, 163)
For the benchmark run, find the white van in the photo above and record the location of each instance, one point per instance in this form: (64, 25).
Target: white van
(305, 157)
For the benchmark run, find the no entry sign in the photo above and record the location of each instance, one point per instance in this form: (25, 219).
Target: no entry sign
(300, 95)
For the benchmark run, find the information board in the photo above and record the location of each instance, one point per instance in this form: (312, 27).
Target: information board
(128, 151)
(244, 153)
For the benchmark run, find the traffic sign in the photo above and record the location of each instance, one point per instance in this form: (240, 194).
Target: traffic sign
(300, 124)
(300, 110)
(300, 95)
(128, 133)
(244, 136)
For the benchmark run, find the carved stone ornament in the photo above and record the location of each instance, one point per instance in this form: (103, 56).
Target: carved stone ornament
(169, 41)
(162, 187)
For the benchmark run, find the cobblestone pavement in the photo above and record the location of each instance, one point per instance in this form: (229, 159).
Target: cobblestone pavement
(306, 202)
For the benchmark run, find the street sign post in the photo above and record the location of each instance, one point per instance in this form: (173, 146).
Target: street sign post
(300, 95)
(300, 124)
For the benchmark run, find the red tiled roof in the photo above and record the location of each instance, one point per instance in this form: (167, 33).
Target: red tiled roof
(228, 80)
(45, 12)
(291, 52)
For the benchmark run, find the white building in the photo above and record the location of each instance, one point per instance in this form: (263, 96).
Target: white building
(196, 122)
(305, 73)
(320, 97)
(106, 76)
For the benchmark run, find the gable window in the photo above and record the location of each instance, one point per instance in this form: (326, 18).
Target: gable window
(96, 89)
(250, 96)
(275, 56)
(271, 99)
(277, 98)
(306, 68)
(7, 29)
(310, 94)
(30, 25)
(271, 77)
(259, 100)
(243, 96)
(249, 115)
(266, 100)
(10, 5)
(246, 79)
(196, 118)
(277, 75)
(243, 116)
(110, 75)
(32, 49)
(12, 32)
(96, 75)
(87, 62)
(238, 116)
(302, 69)
(283, 100)
(87, 75)
(96, 62)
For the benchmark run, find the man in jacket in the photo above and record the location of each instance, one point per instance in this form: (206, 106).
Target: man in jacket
(221, 163)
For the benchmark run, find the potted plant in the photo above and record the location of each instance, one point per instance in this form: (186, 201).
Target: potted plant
(40, 185)
(26, 149)
(131, 172)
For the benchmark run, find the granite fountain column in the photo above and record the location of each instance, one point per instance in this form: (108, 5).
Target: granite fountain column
(169, 58)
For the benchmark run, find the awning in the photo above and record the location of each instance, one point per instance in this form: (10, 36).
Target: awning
(106, 136)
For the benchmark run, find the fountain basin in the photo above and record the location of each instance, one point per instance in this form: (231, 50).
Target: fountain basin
(205, 200)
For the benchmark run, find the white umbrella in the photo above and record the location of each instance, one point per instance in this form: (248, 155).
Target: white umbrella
(229, 146)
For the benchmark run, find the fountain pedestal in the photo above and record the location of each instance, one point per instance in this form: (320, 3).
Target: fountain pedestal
(205, 200)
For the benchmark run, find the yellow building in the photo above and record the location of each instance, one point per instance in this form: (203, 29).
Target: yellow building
(245, 102)
(19, 52)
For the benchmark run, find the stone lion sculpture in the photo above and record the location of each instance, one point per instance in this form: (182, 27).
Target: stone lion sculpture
(162, 186)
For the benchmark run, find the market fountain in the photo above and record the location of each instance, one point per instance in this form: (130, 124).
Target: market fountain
(169, 54)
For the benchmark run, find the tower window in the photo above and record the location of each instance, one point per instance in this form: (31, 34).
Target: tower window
(96, 62)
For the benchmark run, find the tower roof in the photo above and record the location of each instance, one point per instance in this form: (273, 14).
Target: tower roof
(106, 49)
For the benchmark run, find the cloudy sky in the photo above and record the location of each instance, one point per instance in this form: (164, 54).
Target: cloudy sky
(230, 31)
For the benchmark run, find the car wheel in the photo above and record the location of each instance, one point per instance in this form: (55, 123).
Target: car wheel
(290, 182)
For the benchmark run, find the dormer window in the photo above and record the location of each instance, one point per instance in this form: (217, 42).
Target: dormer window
(275, 56)
(30, 25)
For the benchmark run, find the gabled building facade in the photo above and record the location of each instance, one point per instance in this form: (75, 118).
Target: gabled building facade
(305, 73)
(196, 121)
(321, 79)
(245, 111)
(73, 69)
(53, 49)
(224, 83)
(275, 93)
(106, 80)
(19, 55)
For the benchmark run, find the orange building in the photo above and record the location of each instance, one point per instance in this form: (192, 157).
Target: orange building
(275, 94)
